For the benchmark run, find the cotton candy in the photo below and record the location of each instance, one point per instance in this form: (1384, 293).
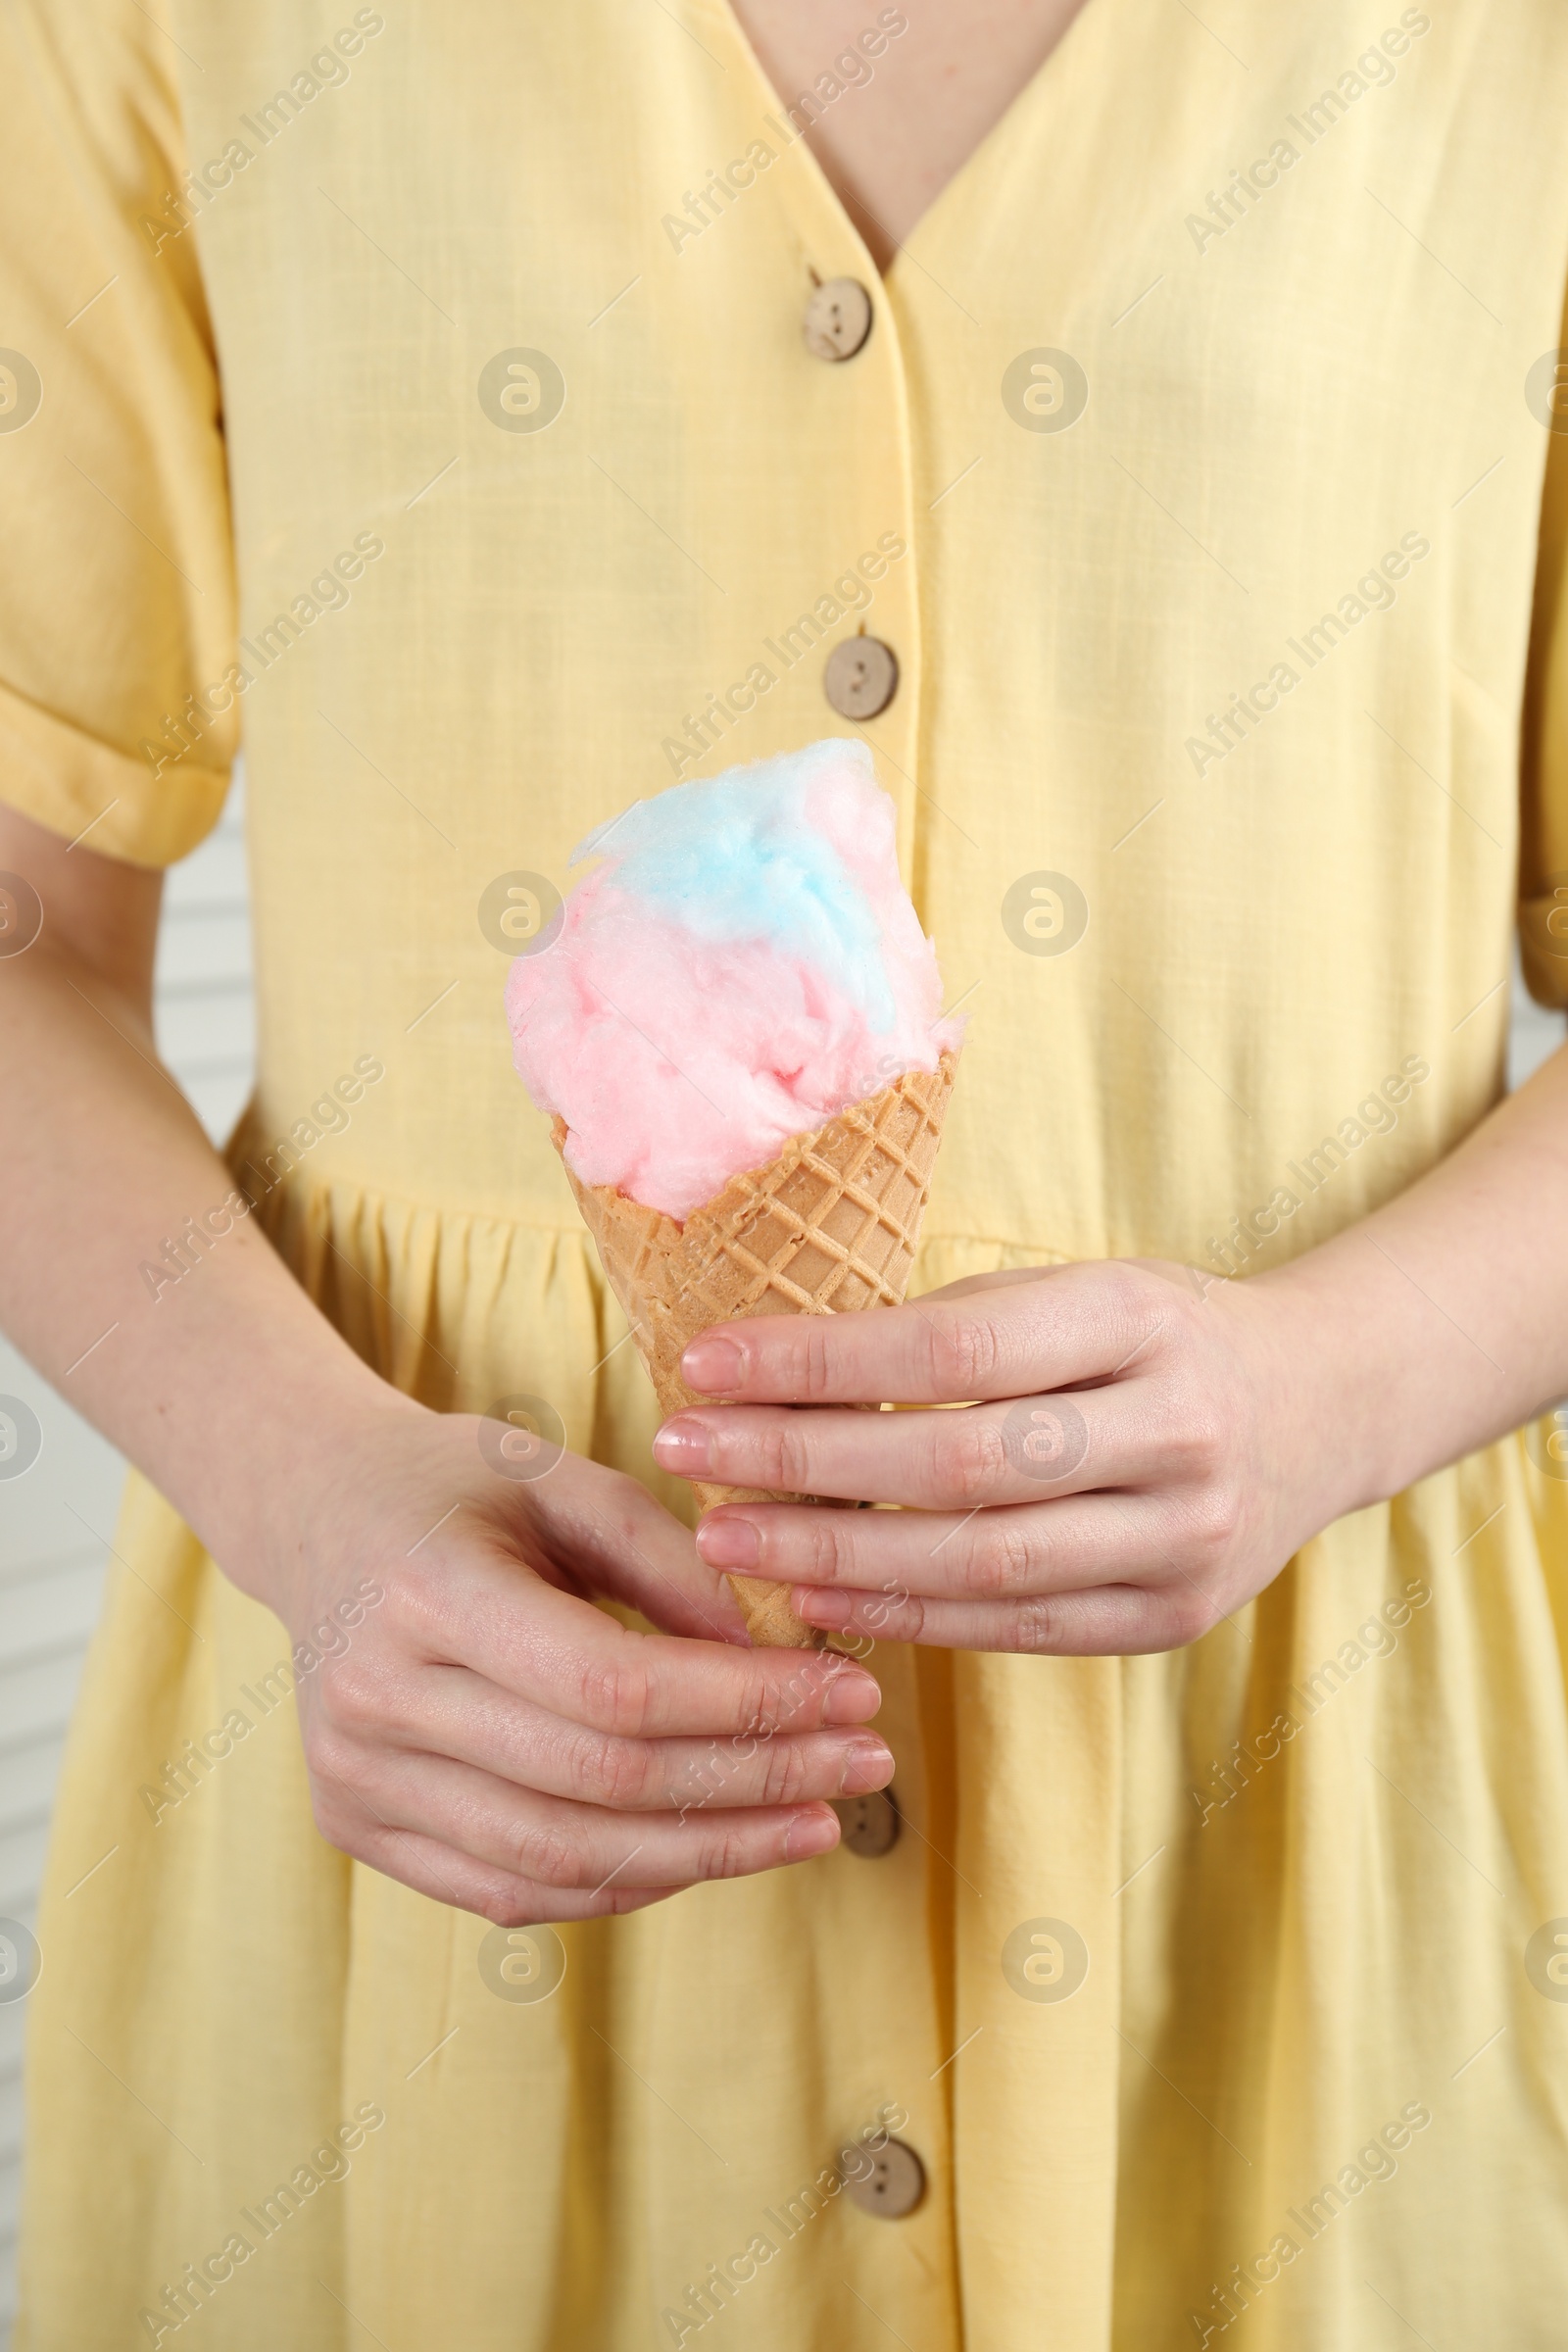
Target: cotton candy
(741, 963)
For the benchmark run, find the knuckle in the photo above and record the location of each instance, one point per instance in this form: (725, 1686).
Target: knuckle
(1206, 1437)
(337, 1765)
(505, 1910)
(966, 1352)
(831, 1540)
(781, 1455)
(613, 1695)
(546, 1854)
(724, 1856)
(505, 1904)
(354, 1693)
(1005, 1558)
(972, 1455)
(783, 1773)
(816, 1359)
(1217, 1519)
(405, 1604)
(1187, 1616)
(1139, 1308)
(897, 1614)
(1198, 1428)
(615, 1772)
(1038, 1627)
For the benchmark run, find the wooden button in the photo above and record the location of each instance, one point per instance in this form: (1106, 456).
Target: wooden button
(838, 319)
(895, 2184)
(861, 677)
(870, 1823)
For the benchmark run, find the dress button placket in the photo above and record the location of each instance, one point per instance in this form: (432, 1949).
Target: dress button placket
(863, 674)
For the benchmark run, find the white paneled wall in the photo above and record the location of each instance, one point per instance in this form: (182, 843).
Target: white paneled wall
(56, 1521)
(1534, 1035)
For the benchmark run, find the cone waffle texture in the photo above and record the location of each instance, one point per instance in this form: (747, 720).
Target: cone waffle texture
(827, 1228)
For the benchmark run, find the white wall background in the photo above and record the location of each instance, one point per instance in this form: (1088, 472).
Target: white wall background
(57, 1521)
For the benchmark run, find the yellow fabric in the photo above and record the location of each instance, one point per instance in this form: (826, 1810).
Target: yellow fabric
(1277, 926)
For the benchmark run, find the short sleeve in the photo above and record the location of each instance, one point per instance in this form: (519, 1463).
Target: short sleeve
(1544, 842)
(117, 593)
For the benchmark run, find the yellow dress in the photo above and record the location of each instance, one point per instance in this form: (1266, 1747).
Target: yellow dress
(422, 396)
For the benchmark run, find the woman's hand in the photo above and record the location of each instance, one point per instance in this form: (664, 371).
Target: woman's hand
(479, 1730)
(1150, 1446)
(473, 1725)
(1145, 1456)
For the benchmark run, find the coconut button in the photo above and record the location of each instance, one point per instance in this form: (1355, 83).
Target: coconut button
(870, 1823)
(838, 319)
(860, 677)
(895, 2184)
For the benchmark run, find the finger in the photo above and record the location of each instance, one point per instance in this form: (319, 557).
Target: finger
(1109, 1621)
(581, 1849)
(1014, 1551)
(1001, 1278)
(508, 1901)
(349, 1820)
(449, 1711)
(493, 1614)
(646, 1559)
(981, 1455)
(1069, 1324)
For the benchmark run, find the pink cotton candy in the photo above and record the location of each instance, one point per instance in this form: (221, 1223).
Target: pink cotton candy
(744, 963)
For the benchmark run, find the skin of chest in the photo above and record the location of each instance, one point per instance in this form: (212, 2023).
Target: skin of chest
(928, 84)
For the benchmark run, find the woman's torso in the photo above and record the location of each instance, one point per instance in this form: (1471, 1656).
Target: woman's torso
(1305, 471)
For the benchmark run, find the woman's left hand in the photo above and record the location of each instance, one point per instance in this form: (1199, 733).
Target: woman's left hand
(1139, 1452)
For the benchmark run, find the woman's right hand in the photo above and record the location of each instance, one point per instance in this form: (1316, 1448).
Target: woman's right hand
(482, 1730)
(477, 1729)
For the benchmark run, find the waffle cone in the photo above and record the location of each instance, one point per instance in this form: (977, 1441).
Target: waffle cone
(828, 1227)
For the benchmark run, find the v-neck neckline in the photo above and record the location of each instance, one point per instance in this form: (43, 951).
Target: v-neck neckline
(1023, 101)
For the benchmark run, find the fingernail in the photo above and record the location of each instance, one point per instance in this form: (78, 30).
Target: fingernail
(830, 1612)
(867, 1765)
(729, 1542)
(682, 1445)
(813, 1832)
(713, 1367)
(851, 1697)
